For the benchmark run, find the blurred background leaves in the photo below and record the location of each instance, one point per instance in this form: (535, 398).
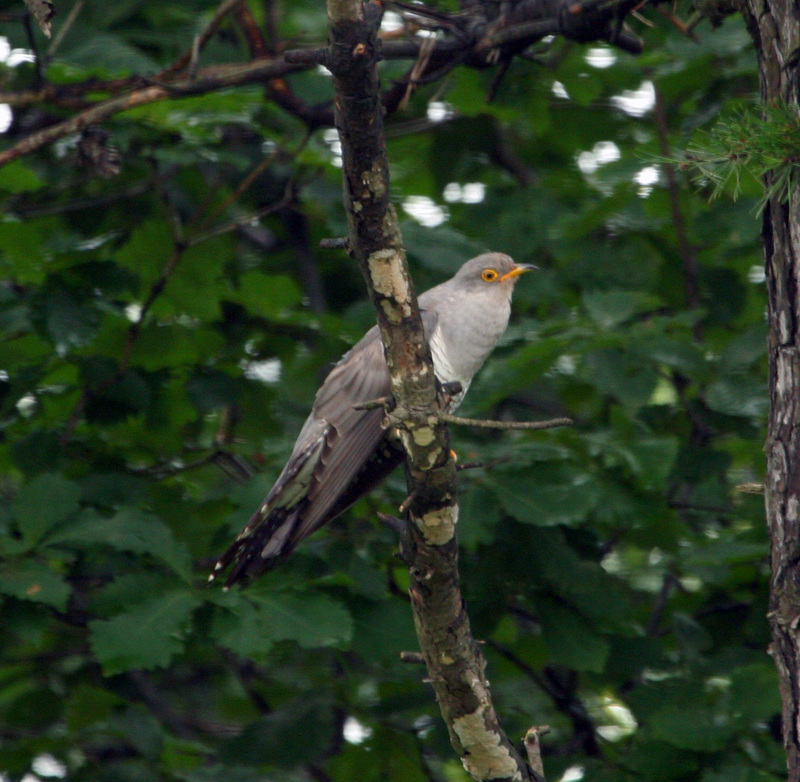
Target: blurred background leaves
(164, 331)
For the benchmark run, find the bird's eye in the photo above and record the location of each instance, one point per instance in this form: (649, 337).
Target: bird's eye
(489, 275)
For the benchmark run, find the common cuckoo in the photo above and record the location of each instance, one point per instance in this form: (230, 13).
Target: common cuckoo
(341, 452)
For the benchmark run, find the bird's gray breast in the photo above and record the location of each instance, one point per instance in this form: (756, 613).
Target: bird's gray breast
(464, 334)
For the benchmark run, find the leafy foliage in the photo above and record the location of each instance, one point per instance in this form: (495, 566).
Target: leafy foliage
(763, 142)
(164, 331)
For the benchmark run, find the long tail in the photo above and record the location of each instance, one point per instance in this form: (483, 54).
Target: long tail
(267, 538)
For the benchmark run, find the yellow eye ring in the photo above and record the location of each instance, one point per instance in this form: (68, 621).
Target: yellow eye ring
(489, 275)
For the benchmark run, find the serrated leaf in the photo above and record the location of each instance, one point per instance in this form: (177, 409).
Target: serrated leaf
(29, 579)
(147, 249)
(130, 530)
(282, 737)
(44, 502)
(267, 295)
(546, 504)
(70, 324)
(620, 375)
(443, 249)
(610, 308)
(148, 636)
(739, 395)
(311, 620)
(478, 515)
(242, 631)
(570, 639)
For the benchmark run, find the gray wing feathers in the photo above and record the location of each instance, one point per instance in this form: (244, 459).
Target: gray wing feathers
(335, 443)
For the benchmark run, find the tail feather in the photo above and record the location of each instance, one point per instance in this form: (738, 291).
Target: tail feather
(266, 539)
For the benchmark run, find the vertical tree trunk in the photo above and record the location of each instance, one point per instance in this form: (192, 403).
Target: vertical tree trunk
(775, 28)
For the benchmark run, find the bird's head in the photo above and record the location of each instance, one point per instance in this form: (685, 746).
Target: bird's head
(491, 271)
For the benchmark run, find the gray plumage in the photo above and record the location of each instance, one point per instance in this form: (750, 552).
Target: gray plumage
(341, 453)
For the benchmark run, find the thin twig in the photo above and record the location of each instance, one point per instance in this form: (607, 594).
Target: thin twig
(238, 222)
(242, 187)
(64, 29)
(481, 424)
(688, 253)
(533, 750)
(373, 404)
(190, 57)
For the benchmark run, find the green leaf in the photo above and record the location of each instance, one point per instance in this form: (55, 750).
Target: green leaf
(16, 177)
(691, 715)
(282, 737)
(130, 530)
(478, 515)
(687, 358)
(140, 728)
(267, 295)
(739, 395)
(546, 504)
(610, 308)
(755, 693)
(147, 636)
(42, 503)
(616, 373)
(310, 619)
(29, 579)
(649, 458)
(88, 705)
(70, 324)
(569, 638)
(442, 249)
(211, 390)
(21, 251)
(241, 630)
(146, 250)
(102, 50)
(171, 345)
(383, 630)
(657, 760)
(578, 581)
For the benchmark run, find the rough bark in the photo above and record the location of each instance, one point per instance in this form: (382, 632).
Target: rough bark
(775, 29)
(455, 664)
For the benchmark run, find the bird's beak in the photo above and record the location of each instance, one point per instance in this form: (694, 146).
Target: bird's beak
(518, 269)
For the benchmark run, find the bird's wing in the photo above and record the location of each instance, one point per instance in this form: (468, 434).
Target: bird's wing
(331, 449)
(327, 471)
(352, 436)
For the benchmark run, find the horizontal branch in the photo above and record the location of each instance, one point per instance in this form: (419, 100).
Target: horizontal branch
(482, 424)
(466, 39)
(206, 80)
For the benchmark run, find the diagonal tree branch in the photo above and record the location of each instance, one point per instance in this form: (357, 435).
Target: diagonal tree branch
(206, 80)
(453, 658)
